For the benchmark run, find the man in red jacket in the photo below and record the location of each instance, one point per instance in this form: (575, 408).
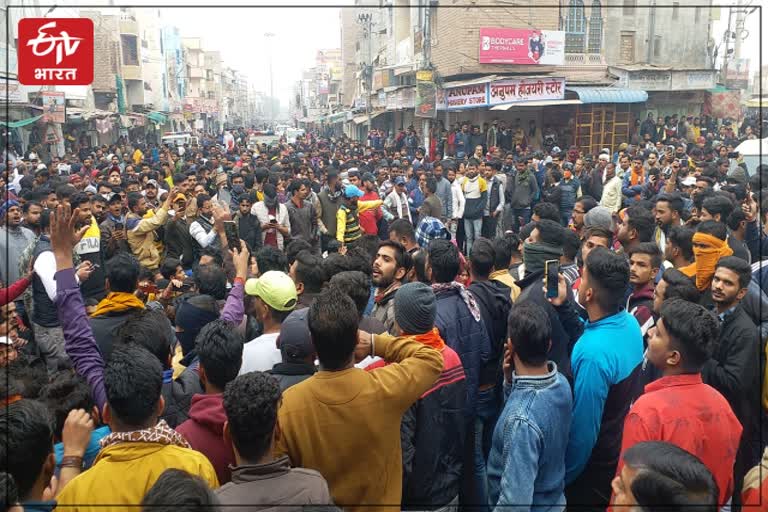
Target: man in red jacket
(220, 350)
(679, 408)
(369, 219)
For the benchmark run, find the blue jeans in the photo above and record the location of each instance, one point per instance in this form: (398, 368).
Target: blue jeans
(565, 217)
(485, 420)
(472, 231)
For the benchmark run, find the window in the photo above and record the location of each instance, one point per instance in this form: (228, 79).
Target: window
(595, 40)
(629, 7)
(627, 48)
(209, 75)
(575, 27)
(675, 10)
(657, 46)
(130, 50)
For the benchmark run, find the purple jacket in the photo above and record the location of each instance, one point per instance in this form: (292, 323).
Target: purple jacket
(79, 342)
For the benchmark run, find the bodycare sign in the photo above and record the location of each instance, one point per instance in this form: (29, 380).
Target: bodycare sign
(521, 46)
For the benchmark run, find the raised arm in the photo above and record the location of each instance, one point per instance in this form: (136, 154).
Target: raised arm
(79, 342)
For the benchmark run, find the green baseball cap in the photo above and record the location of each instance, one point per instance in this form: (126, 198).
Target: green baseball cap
(275, 288)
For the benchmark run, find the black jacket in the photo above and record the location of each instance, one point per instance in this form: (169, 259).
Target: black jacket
(177, 394)
(105, 328)
(734, 368)
(493, 299)
(288, 374)
(179, 244)
(432, 435)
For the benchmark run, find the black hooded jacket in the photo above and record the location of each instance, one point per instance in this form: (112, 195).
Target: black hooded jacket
(493, 299)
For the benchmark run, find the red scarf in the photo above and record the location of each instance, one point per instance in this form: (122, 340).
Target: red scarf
(390, 289)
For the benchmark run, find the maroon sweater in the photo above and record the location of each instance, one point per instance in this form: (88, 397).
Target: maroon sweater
(204, 431)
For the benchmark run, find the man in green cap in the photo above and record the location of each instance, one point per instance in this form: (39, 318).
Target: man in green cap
(274, 298)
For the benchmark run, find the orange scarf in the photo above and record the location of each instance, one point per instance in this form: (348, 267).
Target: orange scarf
(430, 339)
(706, 259)
(636, 178)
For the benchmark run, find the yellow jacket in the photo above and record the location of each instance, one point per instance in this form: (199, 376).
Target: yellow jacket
(123, 473)
(341, 219)
(142, 239)
(346, 424)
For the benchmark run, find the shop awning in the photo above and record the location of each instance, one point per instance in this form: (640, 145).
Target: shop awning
(19, 124)
(609, 94)
(542, 103)
(473, 81)
(359, 119)
(157, 118)
(757, 102)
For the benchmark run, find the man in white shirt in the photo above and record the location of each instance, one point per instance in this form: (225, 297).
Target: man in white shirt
(274, 298)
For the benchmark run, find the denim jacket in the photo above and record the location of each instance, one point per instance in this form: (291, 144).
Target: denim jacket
(526, 465)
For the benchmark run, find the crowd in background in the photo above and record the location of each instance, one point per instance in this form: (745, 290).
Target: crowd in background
(491, 322)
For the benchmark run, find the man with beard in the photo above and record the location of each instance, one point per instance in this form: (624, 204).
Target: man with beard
(444, 191)
(150, 193)
(301, 213)
(248, 226)
(369, 219)
(202, 229)
(668, 212)
(32, 211)
(89, 248)
(179, 244)
(98, 208)
(13, 240)
(611, 191)
(734, 367)
(635, 226)
(678, 250)
(328, 202)
(390, 267)
(141, 231)
(113, 234)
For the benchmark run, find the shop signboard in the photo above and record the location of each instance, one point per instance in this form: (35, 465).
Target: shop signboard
(392, 100)
(527, 89)
(11, 91)
(466, 96)
(521, 46)
(700, 79)
(54, 106)
(426, 100)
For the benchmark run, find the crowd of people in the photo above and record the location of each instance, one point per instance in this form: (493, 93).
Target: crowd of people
(350, 325)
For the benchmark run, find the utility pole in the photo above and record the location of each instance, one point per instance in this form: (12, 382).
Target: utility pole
(737, 35)
(726, 53)
(426, 50)
(269, 36)
(366, 20)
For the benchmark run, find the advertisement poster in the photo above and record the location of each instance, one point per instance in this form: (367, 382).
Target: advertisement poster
(426, 100)
(531, 89)
(53, 106)
(467, 96)
(522, 46)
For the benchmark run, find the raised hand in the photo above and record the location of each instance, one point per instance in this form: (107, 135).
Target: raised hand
(65, 235)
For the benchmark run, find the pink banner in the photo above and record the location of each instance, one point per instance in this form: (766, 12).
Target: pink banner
(521, 46)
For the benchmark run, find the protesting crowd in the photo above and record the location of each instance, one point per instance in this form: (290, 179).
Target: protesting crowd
(488, 323)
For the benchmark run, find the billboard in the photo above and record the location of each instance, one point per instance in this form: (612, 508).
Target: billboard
(53, 106)
(522, 46)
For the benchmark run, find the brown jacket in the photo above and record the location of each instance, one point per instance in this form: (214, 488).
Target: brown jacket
(275, 486)
(142, 239)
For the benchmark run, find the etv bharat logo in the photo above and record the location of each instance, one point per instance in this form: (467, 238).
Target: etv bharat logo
(55, 51)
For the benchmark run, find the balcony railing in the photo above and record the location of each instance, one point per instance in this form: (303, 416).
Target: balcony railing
(586, 59)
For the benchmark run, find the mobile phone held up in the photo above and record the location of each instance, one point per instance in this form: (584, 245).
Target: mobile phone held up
(230, 231)
(551, 271)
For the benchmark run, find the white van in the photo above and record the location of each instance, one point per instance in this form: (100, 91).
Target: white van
(177, 138)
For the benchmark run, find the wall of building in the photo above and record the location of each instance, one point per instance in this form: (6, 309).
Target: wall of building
(456, 35)
(681, 34)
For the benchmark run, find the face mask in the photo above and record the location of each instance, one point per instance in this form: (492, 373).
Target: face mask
(238, 189)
